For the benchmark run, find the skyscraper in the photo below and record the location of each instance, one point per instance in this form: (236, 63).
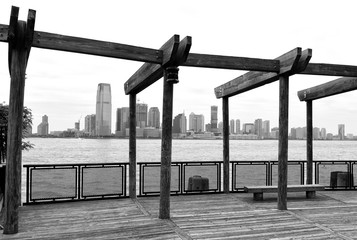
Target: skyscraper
(214, 118)
(89, 124)
(141, 115)
(180, 123)
(42, 128)
(154, 117)
(231, 127)
(237, 126)
(122, 121)
(258, 128)
(196, 122)
(266, 129)
(341, 131)
(103, 126)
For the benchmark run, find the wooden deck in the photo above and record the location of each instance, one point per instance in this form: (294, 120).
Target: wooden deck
(331, 215)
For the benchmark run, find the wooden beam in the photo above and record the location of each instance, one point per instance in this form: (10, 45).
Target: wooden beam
(132, 146)
(225, 111)
(330, 70)
(338, 86)
(283, 141)
(234, 63)
(65, 43)
(174, 53)
(290, 63)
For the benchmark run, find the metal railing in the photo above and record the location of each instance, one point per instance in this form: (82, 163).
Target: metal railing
(71, 182)
(186, 177)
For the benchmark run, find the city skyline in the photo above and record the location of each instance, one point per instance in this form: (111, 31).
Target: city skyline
(50, 73)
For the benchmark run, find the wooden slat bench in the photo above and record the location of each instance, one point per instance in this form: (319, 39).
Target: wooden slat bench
(259, 190)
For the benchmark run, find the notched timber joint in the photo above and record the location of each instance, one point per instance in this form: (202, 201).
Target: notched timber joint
(172, 75)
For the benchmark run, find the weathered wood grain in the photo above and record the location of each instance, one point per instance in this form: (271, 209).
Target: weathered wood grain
(18, 57)
(225, 111)
(132, 146)
(290, 63)
(230, 62)
(338, 86)
(218, 216)
(174, 53)
(330, 70)
(283, 141)
(309, 143)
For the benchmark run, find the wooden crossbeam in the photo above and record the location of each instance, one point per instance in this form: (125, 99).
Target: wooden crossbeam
(174, 53)
(88, 46)
(290, 63)
(234, 63)
(330, 70)
(338, 86)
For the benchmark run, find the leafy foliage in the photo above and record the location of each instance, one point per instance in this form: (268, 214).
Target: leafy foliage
(27, 122)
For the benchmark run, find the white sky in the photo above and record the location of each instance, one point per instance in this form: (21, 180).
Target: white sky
(63, 85)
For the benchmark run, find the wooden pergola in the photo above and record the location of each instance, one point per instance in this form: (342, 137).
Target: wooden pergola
(158, 63)
(338, 86)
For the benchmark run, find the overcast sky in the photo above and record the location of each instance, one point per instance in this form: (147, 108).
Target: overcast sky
(63, 85)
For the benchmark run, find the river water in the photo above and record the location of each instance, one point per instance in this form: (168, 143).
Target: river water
(62, 150)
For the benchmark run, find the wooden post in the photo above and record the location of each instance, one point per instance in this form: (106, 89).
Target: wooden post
(132, 146)
(20, 40)
(283, 141)
(225, 107)
(170, 77)
(309, 140)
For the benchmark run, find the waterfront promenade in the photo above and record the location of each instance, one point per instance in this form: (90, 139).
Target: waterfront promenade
(331, 215)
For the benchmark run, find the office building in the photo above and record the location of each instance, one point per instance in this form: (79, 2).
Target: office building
(141, 115)
(154, 117)
(231, 127)
(266, 129)
(43, 127)
(180, 123)
(323, 133)
(103, 126)
(122, 121)
(258, 128)
(214, 118)
(89, 125)
(248, 128)
(238, 131)
(316, 133)
(341, 131)
(196, 122)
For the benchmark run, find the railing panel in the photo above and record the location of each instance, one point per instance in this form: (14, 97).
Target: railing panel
(53, 183)
(150, 178)
(102, 181)
(333, 174)
(204, 176)
(250, 174)
(295, 173)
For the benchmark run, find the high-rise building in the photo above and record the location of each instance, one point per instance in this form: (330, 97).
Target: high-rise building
(258, 128)
(214, 118)
(89, 125)
(180, 123)
(316, 133)
(43, 127)
(154, 117)
(122, 121)
(266, 129)
(196, 122)
(341, 131)
(293, 133)
(323, 133)
(141, 115)
(103, 126)
(231, 127)
(237, 126)
(77, 125)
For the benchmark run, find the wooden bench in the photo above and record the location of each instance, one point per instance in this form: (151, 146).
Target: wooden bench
(259, 190)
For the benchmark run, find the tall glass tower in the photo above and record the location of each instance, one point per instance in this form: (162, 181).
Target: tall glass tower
(103, 121)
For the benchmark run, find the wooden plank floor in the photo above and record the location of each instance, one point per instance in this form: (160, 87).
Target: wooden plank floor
(331, 215)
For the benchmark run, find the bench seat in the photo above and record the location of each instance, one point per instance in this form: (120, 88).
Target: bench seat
(259, 190)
